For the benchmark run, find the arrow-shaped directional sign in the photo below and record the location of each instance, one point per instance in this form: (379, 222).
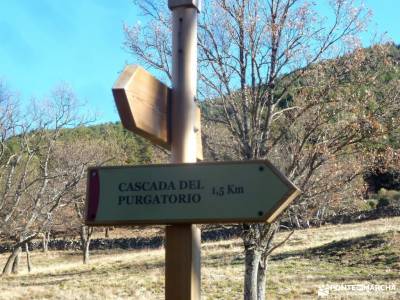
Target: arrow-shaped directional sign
(250, 191)
(143, 104)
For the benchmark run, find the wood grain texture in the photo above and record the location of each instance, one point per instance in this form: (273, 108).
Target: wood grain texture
(182, 262)
(144, 106)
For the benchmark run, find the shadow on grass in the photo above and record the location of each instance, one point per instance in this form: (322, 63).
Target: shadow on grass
(376, 250)
(332, 278)
(373, 249)
(92, 270)
(54, 282)
(39, 277)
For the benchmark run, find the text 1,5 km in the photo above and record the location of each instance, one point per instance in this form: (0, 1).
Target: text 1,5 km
(229, 189)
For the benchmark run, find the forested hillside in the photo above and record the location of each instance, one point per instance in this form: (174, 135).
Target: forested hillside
(336, 136)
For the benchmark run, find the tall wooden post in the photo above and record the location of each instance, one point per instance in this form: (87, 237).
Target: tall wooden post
(182, 249)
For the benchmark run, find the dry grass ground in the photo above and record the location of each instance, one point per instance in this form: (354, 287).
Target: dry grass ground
(311, 259)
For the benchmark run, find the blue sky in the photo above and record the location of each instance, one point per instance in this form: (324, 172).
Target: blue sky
(79, 42)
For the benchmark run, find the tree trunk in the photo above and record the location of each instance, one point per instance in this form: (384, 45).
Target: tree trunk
(262, 277)
(290, 219)
(11, 261)
(86, 235)
(252, 261)
(86, 252)
(296, 218)
(45, 241)
(28, 257)
(322, 216)
(15, 264)
(307, 223)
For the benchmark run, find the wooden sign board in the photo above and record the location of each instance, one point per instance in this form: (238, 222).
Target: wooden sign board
(224, 192)
(143, 104)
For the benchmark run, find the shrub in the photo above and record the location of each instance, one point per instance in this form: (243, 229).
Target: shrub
(383, 202)
(372, 203)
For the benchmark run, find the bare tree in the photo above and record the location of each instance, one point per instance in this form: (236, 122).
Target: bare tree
(96, 152)
(33, 185)
(99, 153)
(278, 90)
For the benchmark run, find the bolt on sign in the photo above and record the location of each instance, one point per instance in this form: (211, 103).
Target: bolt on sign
(143, 104)
(242, 191)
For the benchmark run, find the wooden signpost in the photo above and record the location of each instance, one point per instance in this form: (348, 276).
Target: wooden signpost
(252, 191)
(184, 192)
(143, 104)
(144, 107)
